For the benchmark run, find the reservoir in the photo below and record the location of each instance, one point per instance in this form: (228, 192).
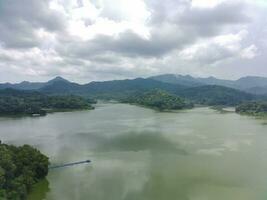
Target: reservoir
(141, 154)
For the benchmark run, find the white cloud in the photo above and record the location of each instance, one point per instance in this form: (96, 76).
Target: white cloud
(249, 52)
(88, 19)
(219, 48)
(102, 39)
(206, 3)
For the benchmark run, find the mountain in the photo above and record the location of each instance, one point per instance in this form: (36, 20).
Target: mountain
(251, 84)
(190, 81)
(209, 91)
(25, 85)
(60, 85)
(109, 89)
(257, 90)
(216, 95)
(121, 89)
(187, 80)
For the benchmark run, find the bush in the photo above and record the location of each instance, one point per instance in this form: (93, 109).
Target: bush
(20, 168)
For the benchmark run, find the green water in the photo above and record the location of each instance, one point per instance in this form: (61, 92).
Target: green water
(141, 154)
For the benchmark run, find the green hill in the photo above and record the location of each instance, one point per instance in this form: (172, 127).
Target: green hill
(18, 102)
(20, 168)
(253, 108)
(158, 99)
(216, 95)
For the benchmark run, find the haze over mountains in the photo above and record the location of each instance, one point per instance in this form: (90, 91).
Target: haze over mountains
(249, 84)
(206, 91)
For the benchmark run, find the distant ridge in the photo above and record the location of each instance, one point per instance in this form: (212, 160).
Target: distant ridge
(57, 79)
(249, 84)
(26, 85)
(207, 91)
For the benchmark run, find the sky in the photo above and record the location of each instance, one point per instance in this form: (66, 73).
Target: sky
(94, 40)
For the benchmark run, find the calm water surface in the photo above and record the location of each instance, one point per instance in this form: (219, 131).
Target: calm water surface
(141, 154)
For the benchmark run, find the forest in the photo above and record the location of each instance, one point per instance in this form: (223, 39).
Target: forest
(20, 168)
(253, 108)
(159, 99)
(14, 102)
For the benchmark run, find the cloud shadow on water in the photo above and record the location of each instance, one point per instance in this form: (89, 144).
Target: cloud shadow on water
(141, 141)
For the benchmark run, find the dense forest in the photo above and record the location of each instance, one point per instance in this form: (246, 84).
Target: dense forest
(13, 102)
(216, 95)
(121, 89)
(20, 168)
(158, 99)
(60, 94)
(253, 108)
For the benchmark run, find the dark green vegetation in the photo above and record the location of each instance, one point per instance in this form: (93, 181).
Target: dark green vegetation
(216, 95)
(252, 108)
(118, 89)
(206, 91)
(250, 84)
(14, 102)
(123, 89)
(20, 168)
(160, 100)
(25, 85)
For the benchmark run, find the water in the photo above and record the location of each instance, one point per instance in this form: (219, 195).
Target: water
(141, 154)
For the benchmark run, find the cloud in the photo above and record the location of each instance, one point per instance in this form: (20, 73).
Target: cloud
(249, 52)
(219, 48)
(127, 44)
(206, 16)
(97, 40)
(20, 22)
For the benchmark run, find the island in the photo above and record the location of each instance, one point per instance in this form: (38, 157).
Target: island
(159, 99)
(15, 102)
(20, 168)
(253, 108)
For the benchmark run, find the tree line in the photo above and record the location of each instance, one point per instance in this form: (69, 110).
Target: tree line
(20, 168)
(159, 99)
(13, 102)
(253, 108)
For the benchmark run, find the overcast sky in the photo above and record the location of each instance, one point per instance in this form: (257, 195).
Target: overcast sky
(85, 40)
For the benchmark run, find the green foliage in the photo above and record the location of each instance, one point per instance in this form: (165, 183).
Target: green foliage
(14, 102)
(116, 89)
(20, 168)
(122, 89)
(216, 95)
(253, 108)
(159, 99)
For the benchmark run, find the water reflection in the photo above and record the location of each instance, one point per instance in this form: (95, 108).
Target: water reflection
(139, 154)
(141, 141)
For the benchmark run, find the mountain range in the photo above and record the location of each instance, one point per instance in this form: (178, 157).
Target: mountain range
(209, 91)
(250, 84)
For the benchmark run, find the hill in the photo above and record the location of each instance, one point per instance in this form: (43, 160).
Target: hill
(160, 100)
(18, 102)
(252, 108)
(216, 95)
(251, 84)
(195, 89)
(116, 89)
(26, 85)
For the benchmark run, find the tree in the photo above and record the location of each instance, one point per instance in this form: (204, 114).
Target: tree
(20, 168)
